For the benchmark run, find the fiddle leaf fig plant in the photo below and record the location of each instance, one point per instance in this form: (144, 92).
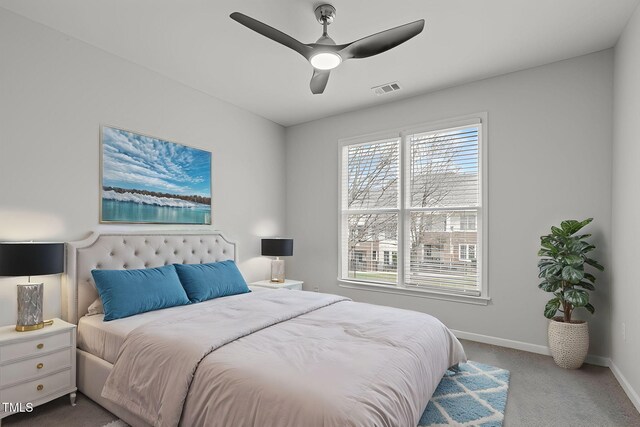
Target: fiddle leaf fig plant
(564, 254)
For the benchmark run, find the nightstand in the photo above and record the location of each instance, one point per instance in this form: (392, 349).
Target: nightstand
(37, 366)
(288, 284)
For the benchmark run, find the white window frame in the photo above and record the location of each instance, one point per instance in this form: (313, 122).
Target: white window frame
(403, 211)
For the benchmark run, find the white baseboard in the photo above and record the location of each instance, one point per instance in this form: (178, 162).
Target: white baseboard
(524, 346)
(633, 395)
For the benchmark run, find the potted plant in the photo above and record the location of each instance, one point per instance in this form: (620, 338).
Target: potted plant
(564, 255)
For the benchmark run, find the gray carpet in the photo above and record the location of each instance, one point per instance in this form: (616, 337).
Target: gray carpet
(540, 394)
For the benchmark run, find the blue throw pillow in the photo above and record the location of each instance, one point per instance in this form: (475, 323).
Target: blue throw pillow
(128, 292)
(207, 281)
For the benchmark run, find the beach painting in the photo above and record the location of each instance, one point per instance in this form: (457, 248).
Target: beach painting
(149, 180)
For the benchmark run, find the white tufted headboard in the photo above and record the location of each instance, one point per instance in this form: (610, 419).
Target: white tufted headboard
(123, 251)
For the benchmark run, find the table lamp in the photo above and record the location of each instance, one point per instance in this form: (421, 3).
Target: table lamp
(277, 248)
(30, 259)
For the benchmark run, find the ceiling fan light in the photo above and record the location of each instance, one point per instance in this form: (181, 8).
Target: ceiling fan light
(325, 60)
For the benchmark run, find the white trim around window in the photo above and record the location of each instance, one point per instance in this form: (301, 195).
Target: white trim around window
(401, 209)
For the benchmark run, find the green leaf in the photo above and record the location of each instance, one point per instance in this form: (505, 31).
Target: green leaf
(582, 236)
(570, 226)
(557, 231)
(585, 247)
(593, 263)
(545, 262)
(548, 250)
(590, 277)
(545, 252)
(551, 308)
(554, 279)
(549, 287)
(574, 260)
(547, 243)
(551, 268)
(577, 297)
(586, 221)
(586, 285)
(590, 308)
(572, 274)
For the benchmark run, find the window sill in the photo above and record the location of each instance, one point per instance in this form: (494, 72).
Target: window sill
(422, 293)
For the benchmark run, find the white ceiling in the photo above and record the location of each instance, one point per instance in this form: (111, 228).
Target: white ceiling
(196, 43)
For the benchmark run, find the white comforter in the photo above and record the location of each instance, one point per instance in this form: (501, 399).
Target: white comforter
(283, 358)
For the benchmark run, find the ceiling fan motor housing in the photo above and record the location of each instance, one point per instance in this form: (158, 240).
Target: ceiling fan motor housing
(325, 13)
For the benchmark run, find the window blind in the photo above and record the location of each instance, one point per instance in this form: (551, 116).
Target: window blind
(443, 208)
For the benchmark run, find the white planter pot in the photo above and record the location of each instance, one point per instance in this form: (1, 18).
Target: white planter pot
(569, 343)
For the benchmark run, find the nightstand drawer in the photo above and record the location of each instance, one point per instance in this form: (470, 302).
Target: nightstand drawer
(32, 347)
(17, 371)
(33, 390)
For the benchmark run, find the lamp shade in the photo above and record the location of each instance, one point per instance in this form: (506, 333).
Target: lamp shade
(31, 259)
(277, 247)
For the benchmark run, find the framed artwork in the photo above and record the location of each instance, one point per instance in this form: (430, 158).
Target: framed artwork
(149, 180)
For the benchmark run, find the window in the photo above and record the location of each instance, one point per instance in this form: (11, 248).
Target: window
(416, 197)
(432, 252)
(468, 222)
(371, 217)
(467, 252)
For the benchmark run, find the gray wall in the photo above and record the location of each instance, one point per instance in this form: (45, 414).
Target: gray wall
(547, 126)
(626, 207)
(56, 91)
(549, 142)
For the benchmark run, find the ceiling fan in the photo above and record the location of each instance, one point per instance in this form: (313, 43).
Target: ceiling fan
(325, 55)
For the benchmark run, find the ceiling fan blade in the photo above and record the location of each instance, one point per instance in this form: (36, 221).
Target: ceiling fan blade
(272, 33)
(382, 41)
(319, 81)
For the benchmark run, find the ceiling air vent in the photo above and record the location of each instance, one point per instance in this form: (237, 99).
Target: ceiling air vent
(386, 88)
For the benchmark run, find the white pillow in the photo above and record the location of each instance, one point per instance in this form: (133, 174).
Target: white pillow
(95, 307)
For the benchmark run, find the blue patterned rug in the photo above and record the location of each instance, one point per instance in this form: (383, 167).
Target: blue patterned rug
(475, 396)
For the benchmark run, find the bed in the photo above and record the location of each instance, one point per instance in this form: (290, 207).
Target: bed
(265, 358)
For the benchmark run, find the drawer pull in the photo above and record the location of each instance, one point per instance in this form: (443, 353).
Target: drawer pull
(40, 366)
(40, 387)
(40, 346)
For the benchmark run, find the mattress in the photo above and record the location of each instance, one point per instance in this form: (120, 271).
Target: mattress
(104, 339)
(100, 338)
